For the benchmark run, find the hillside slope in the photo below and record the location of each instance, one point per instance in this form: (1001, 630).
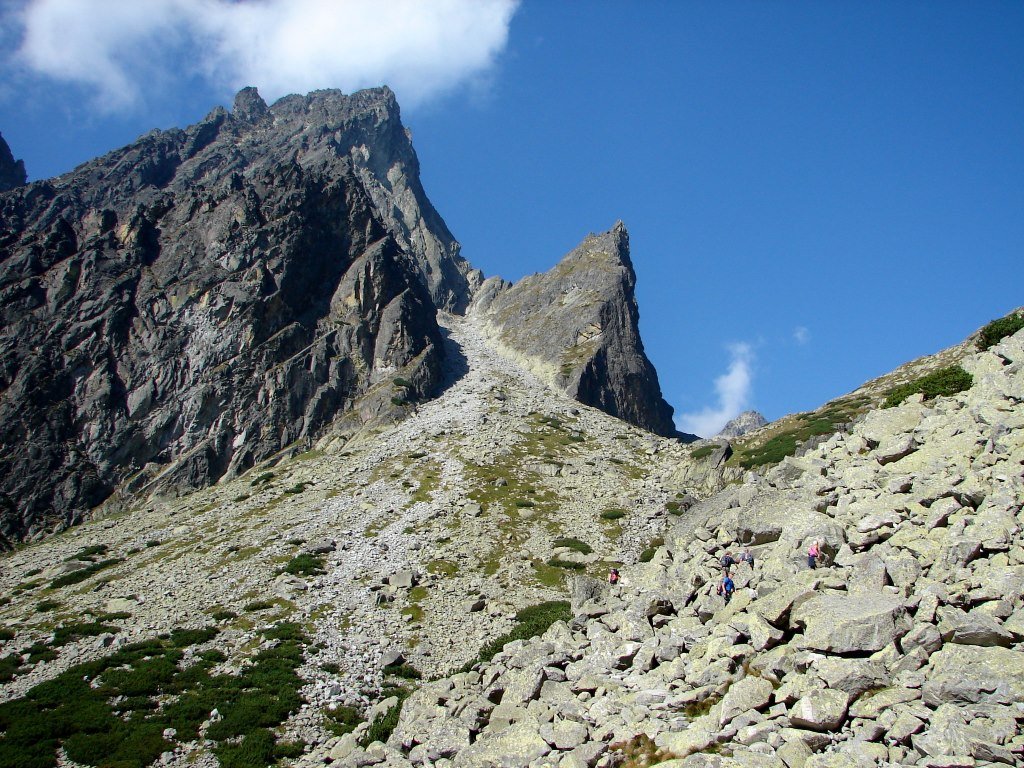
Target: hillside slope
(905, 647)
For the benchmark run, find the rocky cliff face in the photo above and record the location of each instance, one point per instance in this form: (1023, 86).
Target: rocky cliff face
(576, 327)
(12, 172)
(188, 305)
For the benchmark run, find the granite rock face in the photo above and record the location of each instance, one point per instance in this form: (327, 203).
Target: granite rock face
(577, 327)
(188, 305)
(746, 422)
(12, 172)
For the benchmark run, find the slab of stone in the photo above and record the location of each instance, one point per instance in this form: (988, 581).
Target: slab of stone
(973, 674)
(853, 623)
(820, 710)
(750, 693)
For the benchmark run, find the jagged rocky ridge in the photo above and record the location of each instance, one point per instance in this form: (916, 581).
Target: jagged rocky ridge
(577, 327)
(12, 172)
(186, 306)
(906, 647)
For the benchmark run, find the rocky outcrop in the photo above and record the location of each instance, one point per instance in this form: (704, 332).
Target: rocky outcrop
(12, 172)
(576, 326)
(188, 305)
(746, 422)
(905, 646)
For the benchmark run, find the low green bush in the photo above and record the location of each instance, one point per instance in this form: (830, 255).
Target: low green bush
(999, 329)
(556, 562)
(70, 632)
(223, 615)
(530, 622)
(613, 514)
(574, 544)
(703, 452)
(674, 507)
(6, 634)
(76, 577)
(943, 382)
(405, 671)
(305, 564)
(404, 383)
(342, 719)
(259, 605)
(154, 691)
(88, 553)
(45, 606)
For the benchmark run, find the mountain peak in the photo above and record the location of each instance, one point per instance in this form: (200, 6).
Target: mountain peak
(746, 422)
(577, 327)
(249, 106)
(12, 172)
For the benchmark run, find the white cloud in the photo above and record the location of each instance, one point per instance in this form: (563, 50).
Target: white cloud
(120, 47)
(733, 389)
(801, 335)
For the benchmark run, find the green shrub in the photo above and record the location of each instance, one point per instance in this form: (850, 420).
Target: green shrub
(33, 572)
(182, 638)
(530, 622)
(613, 514)
(256, 750)
(223, 615)
(574, 544)
(525, 503)
(342, 719)
(153, 543)
(674, 508)
(399, 401)
(330, 668)
(703, 452)
(417, 455)
(648, 554)
(259, 605)
(999, 329)
(266, 477)
(305, 565)
(384, 725)
(945, 381)
(81, 575)
(404, 671)
(88, 553)
(400, 382)
(297, 488)
(555, 562)
(6, 634)
(44, 606)
(69, 632)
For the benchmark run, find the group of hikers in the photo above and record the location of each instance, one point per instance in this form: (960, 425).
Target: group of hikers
(726, 587)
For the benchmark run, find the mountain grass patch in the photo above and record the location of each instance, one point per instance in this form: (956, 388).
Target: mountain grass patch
(943, 382)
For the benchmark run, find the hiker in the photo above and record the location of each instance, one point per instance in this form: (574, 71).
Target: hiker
(613, 576)
(726, 588)
(727, 563)
(813, 553)
(747, 557)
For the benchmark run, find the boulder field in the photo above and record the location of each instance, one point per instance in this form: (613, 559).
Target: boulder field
(903, 647)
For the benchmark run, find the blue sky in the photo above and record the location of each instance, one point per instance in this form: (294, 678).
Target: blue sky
(815, 192)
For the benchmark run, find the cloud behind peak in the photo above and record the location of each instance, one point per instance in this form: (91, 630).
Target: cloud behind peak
(119, 48)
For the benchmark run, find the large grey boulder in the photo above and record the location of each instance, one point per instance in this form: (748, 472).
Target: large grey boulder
(854, 623)
(972, 674)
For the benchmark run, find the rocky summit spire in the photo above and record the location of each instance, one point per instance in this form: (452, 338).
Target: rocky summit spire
(577, 327)
(249, 106)
(12, 172)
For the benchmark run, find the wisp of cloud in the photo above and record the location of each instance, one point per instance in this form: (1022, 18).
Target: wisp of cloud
(119, 47)
(733, 389)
